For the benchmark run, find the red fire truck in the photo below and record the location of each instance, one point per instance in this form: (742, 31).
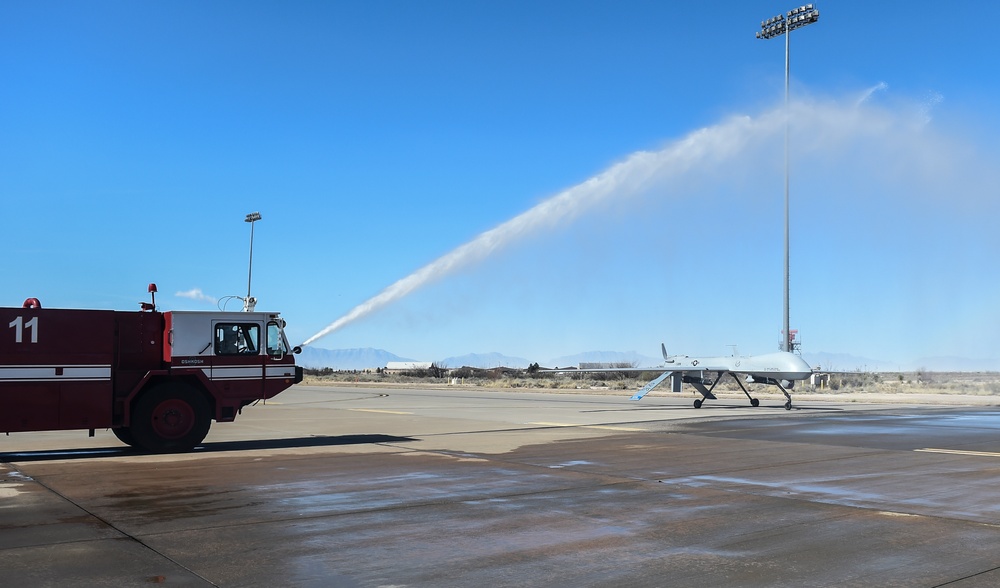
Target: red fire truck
(156, 379)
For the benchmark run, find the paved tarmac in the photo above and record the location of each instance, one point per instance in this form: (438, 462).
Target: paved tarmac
(385, 487)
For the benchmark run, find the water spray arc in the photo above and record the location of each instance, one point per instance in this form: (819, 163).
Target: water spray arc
(873, 156)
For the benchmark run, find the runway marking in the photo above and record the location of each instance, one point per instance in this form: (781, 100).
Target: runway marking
(604, 427)
(889, 513)
(555, 424)
(378, 411)
(960, 452)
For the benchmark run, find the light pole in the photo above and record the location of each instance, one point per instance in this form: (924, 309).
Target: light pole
(249, 302)
(783, 24)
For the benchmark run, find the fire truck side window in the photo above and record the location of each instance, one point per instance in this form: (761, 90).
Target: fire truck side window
(237, 338)
(275, 342)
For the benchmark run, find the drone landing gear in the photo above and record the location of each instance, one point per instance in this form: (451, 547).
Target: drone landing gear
(708, 395)
(753, 401)
(699, 385)
(788, 397)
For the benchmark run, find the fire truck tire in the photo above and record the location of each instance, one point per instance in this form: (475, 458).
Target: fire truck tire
(170, 418)
(124, 435)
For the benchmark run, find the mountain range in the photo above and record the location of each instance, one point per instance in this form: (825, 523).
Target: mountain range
(369, 358)
(346, 359)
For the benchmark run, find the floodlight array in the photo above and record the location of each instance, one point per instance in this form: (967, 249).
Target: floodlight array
(783, 23)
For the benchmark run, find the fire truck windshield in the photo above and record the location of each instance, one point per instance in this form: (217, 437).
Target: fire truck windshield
(276, 344)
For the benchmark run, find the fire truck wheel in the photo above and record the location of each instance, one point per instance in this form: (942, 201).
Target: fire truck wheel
(171, 418)
(124, 435)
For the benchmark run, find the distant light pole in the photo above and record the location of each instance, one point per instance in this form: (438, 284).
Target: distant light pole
(249, 302)
(783, 24)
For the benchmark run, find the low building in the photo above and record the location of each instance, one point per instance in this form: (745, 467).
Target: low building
(394, 367)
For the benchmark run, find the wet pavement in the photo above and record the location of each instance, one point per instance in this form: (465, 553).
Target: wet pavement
(360, 487)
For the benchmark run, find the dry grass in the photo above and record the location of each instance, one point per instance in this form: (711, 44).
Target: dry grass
(894, 383)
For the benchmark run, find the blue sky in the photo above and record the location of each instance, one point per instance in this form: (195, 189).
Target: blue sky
(376, 137)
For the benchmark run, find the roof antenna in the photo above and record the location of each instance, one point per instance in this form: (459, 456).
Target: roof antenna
(250, 302)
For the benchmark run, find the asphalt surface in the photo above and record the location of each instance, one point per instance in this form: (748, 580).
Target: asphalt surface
(383, 487)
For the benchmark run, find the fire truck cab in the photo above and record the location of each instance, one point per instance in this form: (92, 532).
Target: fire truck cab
(156, 379)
